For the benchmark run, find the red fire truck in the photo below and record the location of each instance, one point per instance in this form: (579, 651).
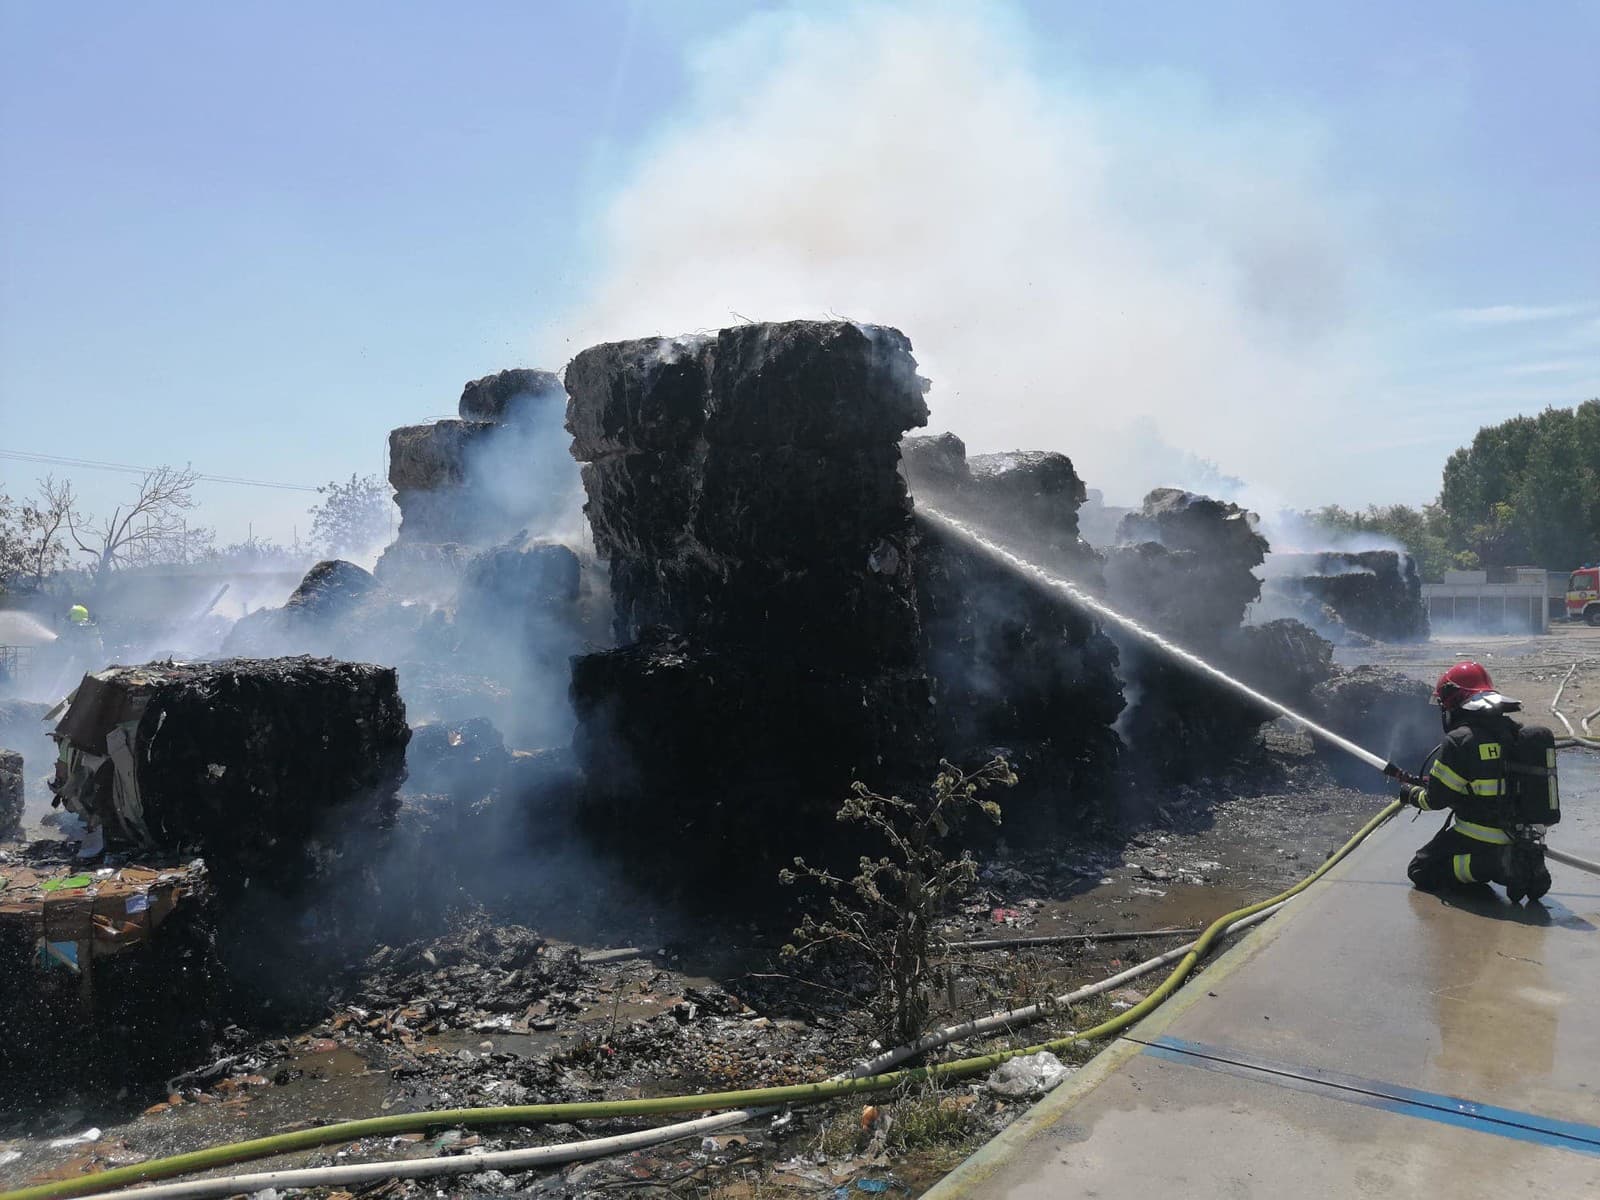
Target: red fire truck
(1583, 595)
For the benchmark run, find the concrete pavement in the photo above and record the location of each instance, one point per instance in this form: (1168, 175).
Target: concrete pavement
(1370, 1040)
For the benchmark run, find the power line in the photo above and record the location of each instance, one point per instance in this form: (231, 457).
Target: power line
(91, 464)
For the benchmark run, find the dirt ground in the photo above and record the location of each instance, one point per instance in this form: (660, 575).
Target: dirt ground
(496, 1014)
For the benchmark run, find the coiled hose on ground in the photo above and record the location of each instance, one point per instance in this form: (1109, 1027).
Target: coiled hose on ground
(305, 1139)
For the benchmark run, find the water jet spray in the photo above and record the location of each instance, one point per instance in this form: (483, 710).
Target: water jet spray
(1077, 596)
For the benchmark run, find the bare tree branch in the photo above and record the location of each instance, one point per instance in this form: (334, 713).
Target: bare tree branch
(151, 529)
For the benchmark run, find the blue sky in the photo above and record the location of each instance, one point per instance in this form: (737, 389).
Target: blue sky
(253, 238)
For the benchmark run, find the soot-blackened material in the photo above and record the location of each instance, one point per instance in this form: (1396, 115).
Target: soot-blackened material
(1027, 499)
(511, 396)
(1018, 670)
(1186, 563)
(1382, 710)
(247, 761)
(11, 792)
(716, 753)
(744, 490)
(1377, 593)
(498, 469)
(339, 610)
(1187, 568)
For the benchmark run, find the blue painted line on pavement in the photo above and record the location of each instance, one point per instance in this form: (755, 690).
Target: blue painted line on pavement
(1380, 1094)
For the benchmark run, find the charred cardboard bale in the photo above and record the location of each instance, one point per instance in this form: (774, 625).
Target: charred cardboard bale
(428, 458)
(500, 468)
(1028, 499)
(427, 571)
(11, 793)
(1382, 710)
(1377, 593)
(745, 493)
(463, 760)
(1020, 671)
(733, 484)
(246, 760)
(24, 730)
(1186, 567)
(1284, 659)
(519, 618)
(731, 762)
(511, 396)
(1187, 564)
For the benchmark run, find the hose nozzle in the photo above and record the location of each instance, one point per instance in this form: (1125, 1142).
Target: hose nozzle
(1395, 773)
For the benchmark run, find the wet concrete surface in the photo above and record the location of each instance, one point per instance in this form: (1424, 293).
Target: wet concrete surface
(1372, 1040)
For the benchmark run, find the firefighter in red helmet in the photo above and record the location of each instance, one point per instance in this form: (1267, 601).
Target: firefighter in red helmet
(1477, 774)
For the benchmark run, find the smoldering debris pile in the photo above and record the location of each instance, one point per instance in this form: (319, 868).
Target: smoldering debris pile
(247, 761)
(1374, 594)
(1014, 669)
(1382, 710)
(338, 609)
(743, 489)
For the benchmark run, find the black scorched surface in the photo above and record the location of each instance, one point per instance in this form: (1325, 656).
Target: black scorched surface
(247, 759)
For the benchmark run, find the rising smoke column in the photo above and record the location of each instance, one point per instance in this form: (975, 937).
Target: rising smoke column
(1075, 261)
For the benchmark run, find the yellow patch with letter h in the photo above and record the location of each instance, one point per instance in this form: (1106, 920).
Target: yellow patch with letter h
(1489, 751)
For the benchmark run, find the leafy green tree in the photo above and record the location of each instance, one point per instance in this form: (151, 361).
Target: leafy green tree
(354, 517)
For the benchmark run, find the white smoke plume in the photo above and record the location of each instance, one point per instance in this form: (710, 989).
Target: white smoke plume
(1079, 264)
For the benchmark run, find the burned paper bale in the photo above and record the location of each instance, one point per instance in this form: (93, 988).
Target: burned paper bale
(501, 468)
(1375, 593)
(1185, 566)
(338, 610)
(11, 793)
(520, 394)
(745, 488)
(461, 759)
(1021, 671)
(704, 748)
(244, 760)
(1186, 563)
(745, 493)
(107, 977)
(1027, 499)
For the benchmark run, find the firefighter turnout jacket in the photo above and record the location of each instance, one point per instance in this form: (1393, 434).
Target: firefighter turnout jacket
(1472, 774)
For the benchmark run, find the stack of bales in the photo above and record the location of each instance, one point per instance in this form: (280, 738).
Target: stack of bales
(498, 470)
(744, 490)
(1375, 593)
(1186, 567)
(1015, 668)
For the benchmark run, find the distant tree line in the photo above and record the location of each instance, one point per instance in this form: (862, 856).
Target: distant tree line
(1525, 493)
(48, 537)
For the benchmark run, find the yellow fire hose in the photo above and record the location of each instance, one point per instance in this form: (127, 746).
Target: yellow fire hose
(305, 1139)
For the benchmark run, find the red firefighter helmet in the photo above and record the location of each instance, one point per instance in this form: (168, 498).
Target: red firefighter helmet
(1461, 683)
